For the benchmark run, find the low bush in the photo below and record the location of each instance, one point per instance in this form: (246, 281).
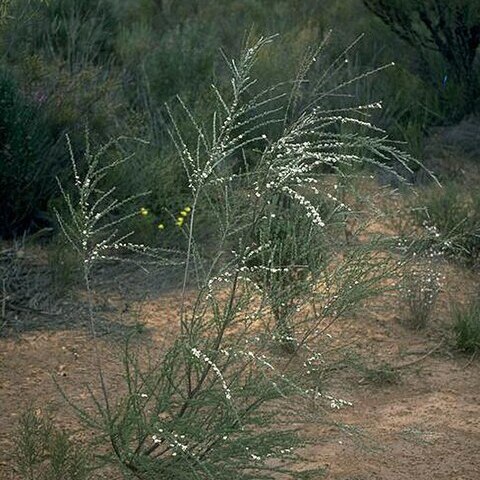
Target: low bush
(44, 452)
(467, 327)
(420, 287)
(454, 213)
(30, 158)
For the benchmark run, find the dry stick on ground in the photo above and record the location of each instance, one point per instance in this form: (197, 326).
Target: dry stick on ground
(418, 360)
(472, 358)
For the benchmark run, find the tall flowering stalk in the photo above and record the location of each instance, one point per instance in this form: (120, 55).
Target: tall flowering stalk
(92, 225)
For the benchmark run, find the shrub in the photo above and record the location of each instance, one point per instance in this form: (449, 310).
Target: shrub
(29, 160)
(219, 402)
(44, 452)
(296, 256)
(453, 213)
(79, 32)
(419, 289)
(183, 63)
(467, 327)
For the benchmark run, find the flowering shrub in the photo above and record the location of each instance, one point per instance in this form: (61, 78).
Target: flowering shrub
(29, 160)
(454, 213)
(422, 279)
(222, 401)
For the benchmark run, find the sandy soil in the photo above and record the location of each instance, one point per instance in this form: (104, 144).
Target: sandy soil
(424, 423)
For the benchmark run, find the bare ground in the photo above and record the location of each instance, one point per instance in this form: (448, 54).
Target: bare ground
(420, 422)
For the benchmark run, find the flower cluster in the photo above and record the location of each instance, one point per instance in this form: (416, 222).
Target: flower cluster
(179, 220)
(201, 356)
(175, 441)
(182, 216)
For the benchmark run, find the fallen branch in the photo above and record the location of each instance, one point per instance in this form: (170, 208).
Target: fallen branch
(472, 358)
(418, 360)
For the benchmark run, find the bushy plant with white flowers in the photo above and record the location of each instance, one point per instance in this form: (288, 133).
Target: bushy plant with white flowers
(218, 403)
(421, 279)
(453, 212)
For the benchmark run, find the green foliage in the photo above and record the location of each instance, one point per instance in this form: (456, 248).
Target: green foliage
(79, 32)
(74, 85)
(409, 108)
(44, 452)
(29, 160)
(216, 428)
(183, 62)
(450, 28)
(265, 239)
(90, 62)
(296, 254)
(93, 219)
(382, 374)
(455, 214)
(467, 327)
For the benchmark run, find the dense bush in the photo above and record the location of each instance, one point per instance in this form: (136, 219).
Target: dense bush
(30, 158)
(79, 32)
(114, 64)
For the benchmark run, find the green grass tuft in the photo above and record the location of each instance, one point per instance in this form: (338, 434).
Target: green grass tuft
(467, 327)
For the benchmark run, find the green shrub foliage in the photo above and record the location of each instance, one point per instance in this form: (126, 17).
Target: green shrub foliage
(449, 28)
(453, 214)
(467, 327)
(29, 160)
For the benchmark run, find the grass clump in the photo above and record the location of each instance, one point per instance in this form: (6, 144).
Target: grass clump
(467, 327)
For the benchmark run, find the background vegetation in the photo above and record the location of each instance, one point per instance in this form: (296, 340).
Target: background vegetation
(115, 64)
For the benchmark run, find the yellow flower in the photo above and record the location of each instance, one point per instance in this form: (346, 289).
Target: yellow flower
(187, 209)
(183, 213)
(179, 222)
(144, 212)
(160, 226)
